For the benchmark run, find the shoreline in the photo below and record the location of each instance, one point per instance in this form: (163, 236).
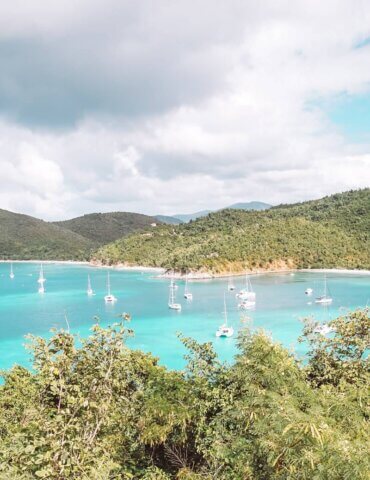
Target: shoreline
(45, 262)
(163, 273)
(291, 271)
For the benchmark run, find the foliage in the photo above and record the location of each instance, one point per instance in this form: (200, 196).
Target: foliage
(102, 228)
(26, 238)
(343, 355)
(103, 411)
(332, 232)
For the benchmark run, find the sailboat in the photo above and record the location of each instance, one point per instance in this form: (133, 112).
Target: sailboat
(171, 301)
(109, 298)
(90, 291)
(41, 280)
(325, 298)
(224, 330)
(11, 274)
(188, 295)
(247, 293)
(230, 284)
(308, 291)
(324, 329)
(247, 304)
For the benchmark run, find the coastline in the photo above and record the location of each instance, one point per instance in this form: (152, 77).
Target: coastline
(209, 276)
(163, 273)
(45, 262)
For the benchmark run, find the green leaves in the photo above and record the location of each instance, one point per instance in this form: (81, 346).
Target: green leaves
(103, 411)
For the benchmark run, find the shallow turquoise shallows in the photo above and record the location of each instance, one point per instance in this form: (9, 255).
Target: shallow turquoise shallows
(281, 304)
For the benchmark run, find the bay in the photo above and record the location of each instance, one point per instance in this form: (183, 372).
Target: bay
(281, 304)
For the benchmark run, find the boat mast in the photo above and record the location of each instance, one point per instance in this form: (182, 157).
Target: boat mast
(108, 284)
(41, 274)
(225, 311)
(172, 294)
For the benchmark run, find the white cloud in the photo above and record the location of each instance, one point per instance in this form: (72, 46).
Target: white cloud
(224, 111)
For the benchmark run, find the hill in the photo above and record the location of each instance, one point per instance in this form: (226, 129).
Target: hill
(169, 220)
(332, 232)
(101, 228)
(25, 238)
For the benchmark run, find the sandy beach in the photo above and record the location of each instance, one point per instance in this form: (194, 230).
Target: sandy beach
(46, 262)
(163, 273)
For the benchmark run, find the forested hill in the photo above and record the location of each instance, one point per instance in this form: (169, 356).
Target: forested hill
(103, 228)
(26, 238)
(332, 232)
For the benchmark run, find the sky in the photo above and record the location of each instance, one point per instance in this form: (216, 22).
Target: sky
(178, 106)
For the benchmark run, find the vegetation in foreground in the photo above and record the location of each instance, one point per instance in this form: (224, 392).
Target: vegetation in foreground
(333, 232)
(103, 411)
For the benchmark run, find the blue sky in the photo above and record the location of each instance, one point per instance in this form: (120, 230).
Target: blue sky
(351, 113)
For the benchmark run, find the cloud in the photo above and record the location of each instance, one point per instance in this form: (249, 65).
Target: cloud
(185, 106)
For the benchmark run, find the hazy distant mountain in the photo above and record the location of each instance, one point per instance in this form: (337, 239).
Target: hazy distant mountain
(250, 206)
(186, 217)
(25, 238)
(103, 228)
(168, 219)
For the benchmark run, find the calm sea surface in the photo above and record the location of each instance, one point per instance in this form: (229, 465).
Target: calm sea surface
(281, 304)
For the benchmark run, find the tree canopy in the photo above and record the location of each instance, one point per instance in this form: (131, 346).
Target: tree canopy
(94, 409)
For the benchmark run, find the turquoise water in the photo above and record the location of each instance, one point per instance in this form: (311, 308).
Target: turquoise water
(281, 304)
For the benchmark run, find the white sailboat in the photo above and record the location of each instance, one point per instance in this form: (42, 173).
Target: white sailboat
(224, 330)
(325, 298)
(11, 274)
(41, 280)
(90, 291)
(188, 295)
(109, 298)
(308, 291)
(171, 301)
(324, 329)
(247, 304)
(247, 293)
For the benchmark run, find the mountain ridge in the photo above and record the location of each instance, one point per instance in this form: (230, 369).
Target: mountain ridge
(103, 228)
(253, 205)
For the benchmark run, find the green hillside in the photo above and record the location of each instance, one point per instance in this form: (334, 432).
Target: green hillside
(26, 238)
(103, 228)
(332, 232)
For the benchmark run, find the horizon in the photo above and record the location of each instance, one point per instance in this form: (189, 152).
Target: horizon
(138, 110)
